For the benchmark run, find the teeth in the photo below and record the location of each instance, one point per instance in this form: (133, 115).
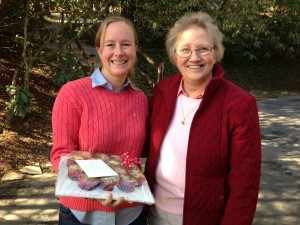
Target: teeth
(194, 67)
(118, 62)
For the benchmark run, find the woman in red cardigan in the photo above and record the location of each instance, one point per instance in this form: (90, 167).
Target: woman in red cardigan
(204, 159)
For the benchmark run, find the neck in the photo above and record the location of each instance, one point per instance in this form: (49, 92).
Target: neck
(116, 82)
(194, 89)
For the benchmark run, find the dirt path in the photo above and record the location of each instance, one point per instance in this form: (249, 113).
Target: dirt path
(29, 201)
(32, 202)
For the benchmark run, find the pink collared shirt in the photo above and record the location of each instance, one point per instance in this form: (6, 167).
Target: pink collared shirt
(181, 91)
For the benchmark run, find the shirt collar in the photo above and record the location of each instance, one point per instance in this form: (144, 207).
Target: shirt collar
(99, 80)
(181, 91)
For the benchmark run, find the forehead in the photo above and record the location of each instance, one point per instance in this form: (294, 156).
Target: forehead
(118, 31)
(194, 35)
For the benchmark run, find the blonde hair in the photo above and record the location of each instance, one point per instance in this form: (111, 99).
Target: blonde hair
(198, 19)
(99, 39)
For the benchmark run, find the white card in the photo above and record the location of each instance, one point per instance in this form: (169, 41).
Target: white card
(96, 168)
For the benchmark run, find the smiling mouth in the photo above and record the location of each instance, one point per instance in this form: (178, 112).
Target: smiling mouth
(119, 62)
(195, 66)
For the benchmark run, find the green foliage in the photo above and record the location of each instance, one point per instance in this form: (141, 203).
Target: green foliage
(69, 69)
(263, 76)
(262, 29)
(154, 18)
(255, 29)
(19, 101)
(38, 110)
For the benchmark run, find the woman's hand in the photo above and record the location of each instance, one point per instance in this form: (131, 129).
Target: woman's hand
(110, 202)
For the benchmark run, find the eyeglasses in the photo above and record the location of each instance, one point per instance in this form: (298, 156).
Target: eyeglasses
(186, 52)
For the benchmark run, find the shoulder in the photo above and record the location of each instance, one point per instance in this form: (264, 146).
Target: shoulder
(174, 78)
(236, 92)
(74, 90)
(72, 87)
(169, 82)
(239, 103)
(79, 83)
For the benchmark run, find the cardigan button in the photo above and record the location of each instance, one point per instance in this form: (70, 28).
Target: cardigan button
(221, 197)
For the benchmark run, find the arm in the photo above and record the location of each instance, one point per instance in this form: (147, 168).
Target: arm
(65, 127)
(245, 165)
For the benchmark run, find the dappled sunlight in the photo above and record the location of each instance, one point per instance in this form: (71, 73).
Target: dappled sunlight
(293, 155)
(279, 194)
(278, 201)
(10, 217)
(29, 201)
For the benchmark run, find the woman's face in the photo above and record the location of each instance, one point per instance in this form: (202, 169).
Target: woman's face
(195, 68)
(118, 54)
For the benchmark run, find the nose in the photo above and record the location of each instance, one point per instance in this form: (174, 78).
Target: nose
(118, 50)
(195, 55)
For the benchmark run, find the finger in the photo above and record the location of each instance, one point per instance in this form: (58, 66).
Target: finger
(118, 201)
(107, 201)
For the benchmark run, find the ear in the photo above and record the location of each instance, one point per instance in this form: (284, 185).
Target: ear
(98, 49)
(99, 52)
(174, 60)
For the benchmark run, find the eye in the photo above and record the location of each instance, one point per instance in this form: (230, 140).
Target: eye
(203, 49)
(109, 45)
(185, 50)
(126, 45)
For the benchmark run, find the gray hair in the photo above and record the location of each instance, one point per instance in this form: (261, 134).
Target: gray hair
(199, 19)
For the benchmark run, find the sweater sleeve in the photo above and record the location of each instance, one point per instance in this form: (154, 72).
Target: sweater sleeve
(65, 125)
(245, 165)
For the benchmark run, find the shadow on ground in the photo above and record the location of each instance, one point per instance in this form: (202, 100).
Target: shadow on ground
(30, 201)
(279, 198)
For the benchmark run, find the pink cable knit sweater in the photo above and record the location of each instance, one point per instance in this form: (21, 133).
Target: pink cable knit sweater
(96, 120)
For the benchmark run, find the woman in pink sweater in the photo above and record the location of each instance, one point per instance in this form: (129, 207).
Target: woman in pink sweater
(205, 153)
(105, 113)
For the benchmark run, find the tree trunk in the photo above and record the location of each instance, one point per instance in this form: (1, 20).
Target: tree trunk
(24, 54)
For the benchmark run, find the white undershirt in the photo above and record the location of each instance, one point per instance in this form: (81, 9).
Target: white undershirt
(121, 217)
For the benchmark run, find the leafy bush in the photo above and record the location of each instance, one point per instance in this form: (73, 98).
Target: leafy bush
(262, 29)
(69, 69)
(19, 101)
(255, 29)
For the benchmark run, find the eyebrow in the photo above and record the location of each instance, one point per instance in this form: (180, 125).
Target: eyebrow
(201, 45)
(126, 40)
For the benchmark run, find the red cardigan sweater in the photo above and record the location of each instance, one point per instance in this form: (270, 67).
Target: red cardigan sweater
(96, 120)
(224, 151)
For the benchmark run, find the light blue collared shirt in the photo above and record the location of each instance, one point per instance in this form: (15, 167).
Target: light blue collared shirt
(98, 79)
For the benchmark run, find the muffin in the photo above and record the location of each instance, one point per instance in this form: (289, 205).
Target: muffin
(114, 160)
(99, 155)
(77, 155)
(108, 183)
(138, 176)
(72, 157)
(74, 171)
(87, 183)
(126, 184)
